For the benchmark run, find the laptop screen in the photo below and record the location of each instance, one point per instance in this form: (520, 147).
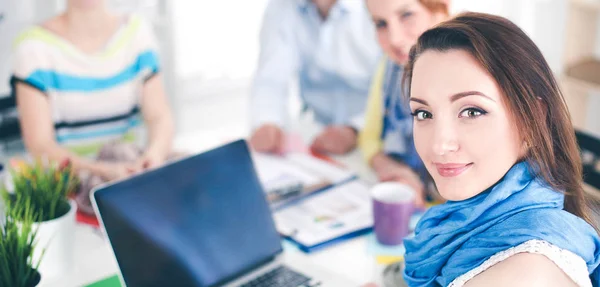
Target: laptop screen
(197, 222)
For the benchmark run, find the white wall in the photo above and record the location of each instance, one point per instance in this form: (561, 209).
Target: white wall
(17, 15)
(216, 39)
(597, 54)
(550, 31)
(215, 54)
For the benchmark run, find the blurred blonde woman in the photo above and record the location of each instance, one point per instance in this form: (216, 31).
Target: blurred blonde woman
(386, 139)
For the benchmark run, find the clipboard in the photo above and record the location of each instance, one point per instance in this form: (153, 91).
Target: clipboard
(317, 247)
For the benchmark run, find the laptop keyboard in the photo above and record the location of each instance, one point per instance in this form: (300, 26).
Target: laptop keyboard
(281, 277)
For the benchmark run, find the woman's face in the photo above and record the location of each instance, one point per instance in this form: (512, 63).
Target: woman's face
(463, 129)
(399, 24)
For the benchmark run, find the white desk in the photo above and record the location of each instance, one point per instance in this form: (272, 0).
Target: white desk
(350, 259)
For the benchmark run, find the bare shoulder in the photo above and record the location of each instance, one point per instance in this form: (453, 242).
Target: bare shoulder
(523, 269)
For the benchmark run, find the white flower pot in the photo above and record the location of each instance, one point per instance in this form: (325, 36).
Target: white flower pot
(55, 239)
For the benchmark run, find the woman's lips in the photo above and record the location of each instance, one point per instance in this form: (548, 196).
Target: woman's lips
(452, 169)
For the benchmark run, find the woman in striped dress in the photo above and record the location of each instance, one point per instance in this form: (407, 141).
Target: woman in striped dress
(87, 77)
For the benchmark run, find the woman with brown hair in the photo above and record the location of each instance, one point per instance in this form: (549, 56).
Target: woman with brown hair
(493, 130)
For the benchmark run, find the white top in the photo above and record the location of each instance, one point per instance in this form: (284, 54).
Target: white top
(569, 262)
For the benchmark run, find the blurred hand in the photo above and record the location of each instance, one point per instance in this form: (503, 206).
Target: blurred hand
(387, 169)
(268, 138)
(336, 140)
(118, 171)
(370, 285)
(150, 160)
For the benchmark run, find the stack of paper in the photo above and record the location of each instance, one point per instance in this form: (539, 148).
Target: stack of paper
(296, 175)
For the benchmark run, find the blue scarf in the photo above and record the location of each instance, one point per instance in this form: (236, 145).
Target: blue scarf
(458, 236)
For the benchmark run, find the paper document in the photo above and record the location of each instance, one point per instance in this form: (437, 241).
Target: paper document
(296, 175)
(329, 215)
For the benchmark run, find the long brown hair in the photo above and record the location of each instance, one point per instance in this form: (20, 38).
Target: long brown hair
(530, 91)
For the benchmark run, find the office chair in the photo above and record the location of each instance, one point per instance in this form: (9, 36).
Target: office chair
(589, 146)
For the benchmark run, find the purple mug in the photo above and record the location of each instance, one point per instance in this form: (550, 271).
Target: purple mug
(393, 205)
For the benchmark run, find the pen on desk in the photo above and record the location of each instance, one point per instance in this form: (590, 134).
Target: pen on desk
(283, 193)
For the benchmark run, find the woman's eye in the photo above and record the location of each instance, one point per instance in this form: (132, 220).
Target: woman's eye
(380, 24)
(472, 113)
(406, 15)
(421, 115)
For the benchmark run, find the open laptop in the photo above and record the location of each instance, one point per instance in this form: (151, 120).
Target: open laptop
(201, 221)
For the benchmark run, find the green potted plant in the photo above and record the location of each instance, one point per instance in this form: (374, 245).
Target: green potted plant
(46, 189)
(17, 244)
